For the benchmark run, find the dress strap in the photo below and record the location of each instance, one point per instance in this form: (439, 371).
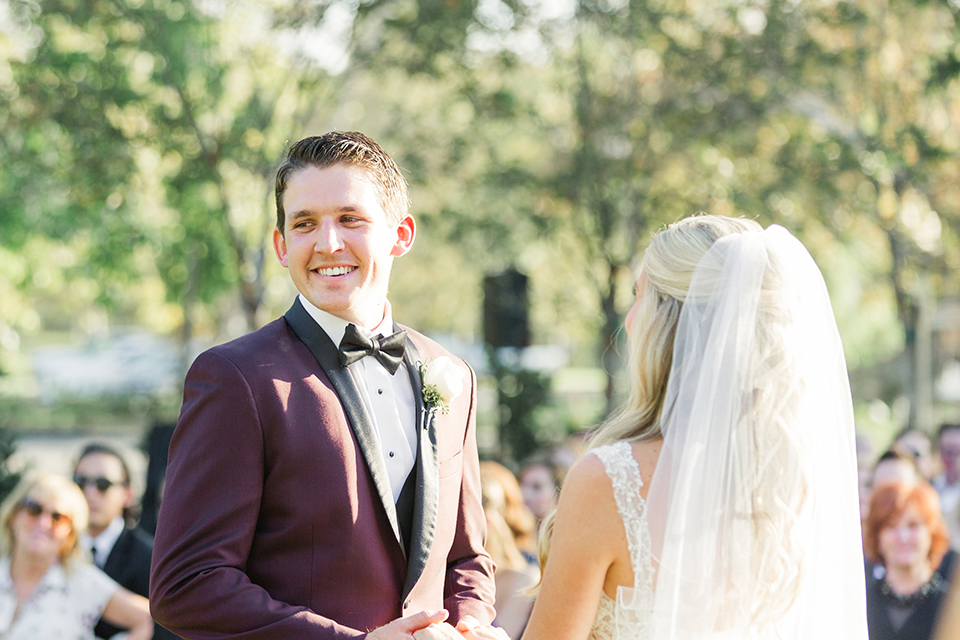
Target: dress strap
(624, 474)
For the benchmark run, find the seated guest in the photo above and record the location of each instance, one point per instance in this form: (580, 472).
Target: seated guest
(894, 466)
(47, 588)
(522, 522)
(947, 483)
(916, 444)
(905, 535)
(122, 551)
(500, 496)
(540, 482)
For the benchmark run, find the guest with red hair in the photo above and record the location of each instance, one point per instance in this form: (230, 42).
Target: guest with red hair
(905, 534)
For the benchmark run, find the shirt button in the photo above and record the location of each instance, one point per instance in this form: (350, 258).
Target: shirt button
(391, 454)
(380, 391)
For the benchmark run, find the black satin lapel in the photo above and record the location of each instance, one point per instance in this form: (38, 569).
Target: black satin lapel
(323, 349)
(427, 501)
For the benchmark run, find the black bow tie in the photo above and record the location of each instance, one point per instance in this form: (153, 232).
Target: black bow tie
(358, 343)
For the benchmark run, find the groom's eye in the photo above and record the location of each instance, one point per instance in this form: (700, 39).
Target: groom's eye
(300, 222)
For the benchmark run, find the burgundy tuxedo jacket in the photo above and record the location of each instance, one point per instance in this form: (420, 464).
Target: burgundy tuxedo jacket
(277, 519)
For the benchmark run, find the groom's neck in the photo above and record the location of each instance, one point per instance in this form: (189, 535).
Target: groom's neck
(368, 319)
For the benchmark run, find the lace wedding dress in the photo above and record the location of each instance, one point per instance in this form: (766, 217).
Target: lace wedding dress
(627, 617)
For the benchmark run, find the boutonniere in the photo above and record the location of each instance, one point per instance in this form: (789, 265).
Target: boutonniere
(442, 382)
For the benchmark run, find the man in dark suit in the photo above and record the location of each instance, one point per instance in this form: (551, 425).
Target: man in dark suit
(324, 491)
(122, 551)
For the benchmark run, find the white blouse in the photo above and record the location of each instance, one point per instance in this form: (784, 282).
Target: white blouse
(63, 606)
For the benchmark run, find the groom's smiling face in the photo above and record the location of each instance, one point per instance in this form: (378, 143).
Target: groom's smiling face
(339, 243)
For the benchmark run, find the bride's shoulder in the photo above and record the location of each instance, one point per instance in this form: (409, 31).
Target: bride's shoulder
(586, 501)
(586, 480)
(590, 476)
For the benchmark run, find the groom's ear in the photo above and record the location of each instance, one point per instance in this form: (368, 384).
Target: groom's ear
(280, 246)
(406, 232)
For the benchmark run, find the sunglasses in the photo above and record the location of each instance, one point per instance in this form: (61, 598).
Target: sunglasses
(101, 483)
(34, 509)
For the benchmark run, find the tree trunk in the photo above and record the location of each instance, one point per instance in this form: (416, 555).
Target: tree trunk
(609, 355)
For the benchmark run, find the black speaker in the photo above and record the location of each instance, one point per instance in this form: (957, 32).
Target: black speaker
(505, 310)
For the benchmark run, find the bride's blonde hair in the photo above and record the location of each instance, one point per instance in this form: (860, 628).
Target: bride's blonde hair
(668, 266)
(664, 280)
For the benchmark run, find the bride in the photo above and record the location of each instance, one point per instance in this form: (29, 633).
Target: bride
(721, 501)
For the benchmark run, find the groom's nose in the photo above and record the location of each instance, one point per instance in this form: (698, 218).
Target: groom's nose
(329, 239)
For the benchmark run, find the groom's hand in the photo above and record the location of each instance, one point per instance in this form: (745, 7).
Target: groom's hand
(471, 629)
(404, 628)
(442, 631)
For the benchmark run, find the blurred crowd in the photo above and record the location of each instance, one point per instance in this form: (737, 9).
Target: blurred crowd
(515, 503)
(75, 562)
(910, 505)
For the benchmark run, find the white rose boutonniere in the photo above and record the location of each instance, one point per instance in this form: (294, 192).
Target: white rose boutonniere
(442, 382)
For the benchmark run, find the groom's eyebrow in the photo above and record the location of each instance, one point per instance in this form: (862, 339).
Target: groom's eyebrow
(306, 213)
(292, 218)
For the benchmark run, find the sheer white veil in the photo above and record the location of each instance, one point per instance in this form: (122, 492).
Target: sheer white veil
(753, 506)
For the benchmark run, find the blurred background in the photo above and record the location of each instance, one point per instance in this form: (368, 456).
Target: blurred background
(544, 142)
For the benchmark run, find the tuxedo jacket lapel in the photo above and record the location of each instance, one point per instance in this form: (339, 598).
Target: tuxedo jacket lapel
(326, 353)
(119, 555)
(427, 468)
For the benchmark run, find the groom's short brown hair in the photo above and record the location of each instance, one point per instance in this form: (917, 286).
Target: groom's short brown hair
(349, 148)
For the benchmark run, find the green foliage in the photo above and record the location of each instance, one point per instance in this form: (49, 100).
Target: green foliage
(86, 414)
(140, 139)
(523, 402)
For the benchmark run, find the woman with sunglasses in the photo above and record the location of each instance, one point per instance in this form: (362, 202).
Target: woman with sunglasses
(47, 588)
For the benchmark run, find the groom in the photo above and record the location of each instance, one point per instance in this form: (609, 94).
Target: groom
(322, 492)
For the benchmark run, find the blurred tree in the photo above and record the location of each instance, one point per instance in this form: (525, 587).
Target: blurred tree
(874, 149)
(220, 105)
(661, 100)
(523, 399)
(63, 170)
(141, 138)
(156, 126)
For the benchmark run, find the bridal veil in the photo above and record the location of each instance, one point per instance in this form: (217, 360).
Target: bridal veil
(753, 507)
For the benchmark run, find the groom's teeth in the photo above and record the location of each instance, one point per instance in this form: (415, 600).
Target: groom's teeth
(335, 271)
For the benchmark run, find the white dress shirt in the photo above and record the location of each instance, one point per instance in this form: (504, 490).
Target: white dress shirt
(104, 542)
(388, 398)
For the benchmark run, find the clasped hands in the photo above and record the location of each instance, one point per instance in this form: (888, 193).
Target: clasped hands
(433, 626)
